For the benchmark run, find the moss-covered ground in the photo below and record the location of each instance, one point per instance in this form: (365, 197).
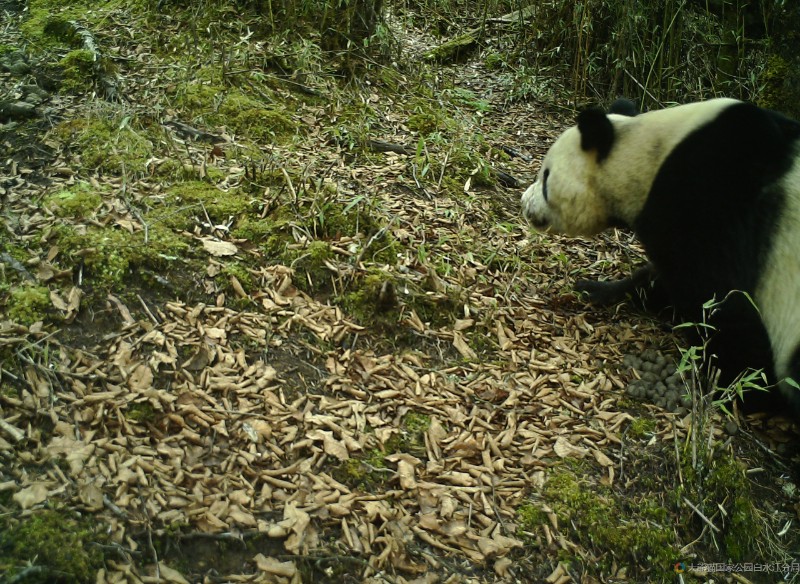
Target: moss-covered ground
(238, 166)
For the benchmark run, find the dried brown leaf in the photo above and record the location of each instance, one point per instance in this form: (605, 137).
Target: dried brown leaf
(564, 448)
(219, 248)
(462, 347)
(91, 496)
(276, 567)
(30, 496)
(170, 575)
(601, 458)
(296, 521)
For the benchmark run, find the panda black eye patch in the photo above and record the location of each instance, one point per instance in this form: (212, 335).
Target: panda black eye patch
(544, 183)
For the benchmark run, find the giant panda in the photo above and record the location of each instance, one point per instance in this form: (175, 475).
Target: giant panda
(712, 191)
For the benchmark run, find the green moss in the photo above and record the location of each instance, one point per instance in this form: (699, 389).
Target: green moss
(8, 390)
(78, 202)
(56, 541)
(641, 427)
(482, 341)
(445, 154)
(276, 247)
(529, 518)
(104, 252)
(262, 124)
(189, 203)
(169, 168)
(312, 275)
(112, 147)
(453, 50)
(467, 162)
(773, 80)
(214, 174)
(384, 250)
(245, 115)
(240, 272)
(372, 300)
(308, 260)
(234, 103)
(411, 437)
(275, 234)
(249, 117)
(724, 483)
(142, 412)
(79, 59)
(366, 472)
(623, 530)
(431, 117)
(43, 27)
(78, 70)
(425, 123)
(325, 218)
(198, 98)
(28, 304)
(254, 230)
(416, 423)
(109, 254)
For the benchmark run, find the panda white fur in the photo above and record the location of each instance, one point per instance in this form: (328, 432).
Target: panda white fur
(712, 190)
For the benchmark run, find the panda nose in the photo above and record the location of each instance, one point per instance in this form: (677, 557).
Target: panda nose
(535, 221)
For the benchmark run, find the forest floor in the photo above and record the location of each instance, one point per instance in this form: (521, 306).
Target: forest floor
(272, 315)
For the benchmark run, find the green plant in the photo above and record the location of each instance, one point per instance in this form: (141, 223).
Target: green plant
(618, 47)
(695, 366)
(714, 482)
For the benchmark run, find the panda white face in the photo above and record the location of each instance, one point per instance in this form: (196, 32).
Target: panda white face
(564, 198)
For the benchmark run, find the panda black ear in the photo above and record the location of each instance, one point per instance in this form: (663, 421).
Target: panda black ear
(624, 107)
(597, 132)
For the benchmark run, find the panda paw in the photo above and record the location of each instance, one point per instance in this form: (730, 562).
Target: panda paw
(637, 285)
(603, 293)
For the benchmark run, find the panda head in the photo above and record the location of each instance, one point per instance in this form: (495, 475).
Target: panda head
(599, 173)
(568, 196)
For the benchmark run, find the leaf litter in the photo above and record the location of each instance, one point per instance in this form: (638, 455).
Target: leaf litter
(236, 422)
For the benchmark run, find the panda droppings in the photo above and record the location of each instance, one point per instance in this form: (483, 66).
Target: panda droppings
(658, 381)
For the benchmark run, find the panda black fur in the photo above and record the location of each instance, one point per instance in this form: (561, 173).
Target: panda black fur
(624, 107)
(712, 190)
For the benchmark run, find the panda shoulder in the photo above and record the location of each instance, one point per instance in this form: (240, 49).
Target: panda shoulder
(756, 124)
